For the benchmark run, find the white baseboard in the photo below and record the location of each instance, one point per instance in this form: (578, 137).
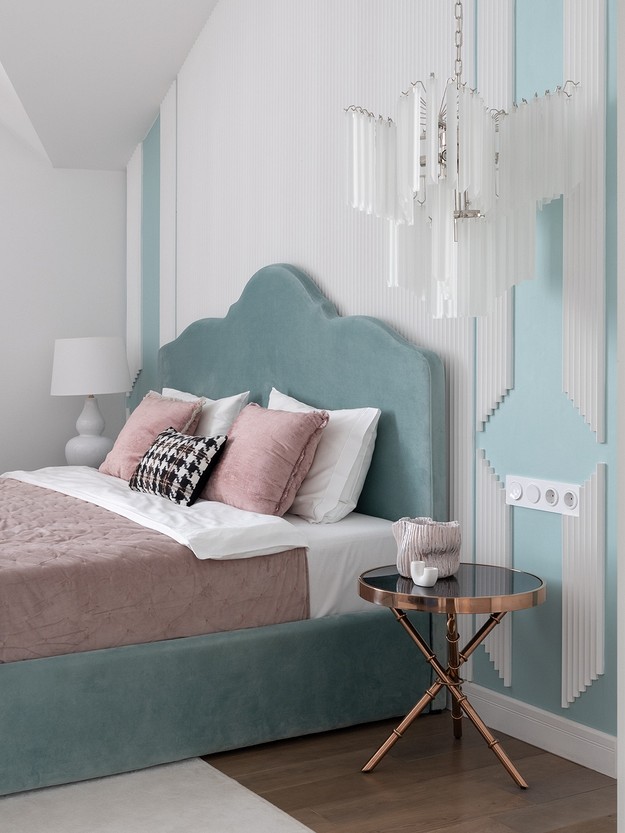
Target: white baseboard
(581, 744)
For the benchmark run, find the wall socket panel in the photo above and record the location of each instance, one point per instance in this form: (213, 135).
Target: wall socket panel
(545, 495)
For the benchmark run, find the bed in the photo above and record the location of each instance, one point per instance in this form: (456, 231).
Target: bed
(334, 663)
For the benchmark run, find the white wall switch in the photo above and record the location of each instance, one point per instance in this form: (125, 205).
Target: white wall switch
(546, 495)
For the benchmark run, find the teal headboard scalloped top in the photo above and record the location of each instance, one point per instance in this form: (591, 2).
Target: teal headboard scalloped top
(284, 333)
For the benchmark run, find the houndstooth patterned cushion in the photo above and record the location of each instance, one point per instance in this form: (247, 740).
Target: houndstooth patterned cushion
(177, 466)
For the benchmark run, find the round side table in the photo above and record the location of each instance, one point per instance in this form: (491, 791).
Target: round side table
(475, 588)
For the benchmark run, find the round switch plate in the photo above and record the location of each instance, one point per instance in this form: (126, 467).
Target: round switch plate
(532, 493)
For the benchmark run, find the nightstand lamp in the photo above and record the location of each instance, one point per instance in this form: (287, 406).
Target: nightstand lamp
(88, 367)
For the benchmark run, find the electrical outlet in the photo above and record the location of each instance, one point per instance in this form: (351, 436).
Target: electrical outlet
(546, 495)
(551, 496)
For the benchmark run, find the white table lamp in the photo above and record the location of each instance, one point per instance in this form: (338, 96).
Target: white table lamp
(87, 367)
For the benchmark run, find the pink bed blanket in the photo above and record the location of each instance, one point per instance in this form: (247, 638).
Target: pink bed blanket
(76, 577)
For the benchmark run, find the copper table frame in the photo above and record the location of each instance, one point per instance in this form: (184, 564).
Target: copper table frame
(447, 596)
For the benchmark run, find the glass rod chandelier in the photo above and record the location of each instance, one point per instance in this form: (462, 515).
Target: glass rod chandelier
(460, 184)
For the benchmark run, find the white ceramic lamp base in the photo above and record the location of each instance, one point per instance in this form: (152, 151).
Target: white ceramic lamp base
(89, 448)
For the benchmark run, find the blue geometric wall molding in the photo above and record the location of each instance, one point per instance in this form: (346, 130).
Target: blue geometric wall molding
(583, 294)
(583, 577)
(134, 209)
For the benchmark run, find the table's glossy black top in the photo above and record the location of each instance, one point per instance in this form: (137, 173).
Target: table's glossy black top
(475, 588)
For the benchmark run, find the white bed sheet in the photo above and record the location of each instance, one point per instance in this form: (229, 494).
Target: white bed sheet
(209, 529)
(337, 554)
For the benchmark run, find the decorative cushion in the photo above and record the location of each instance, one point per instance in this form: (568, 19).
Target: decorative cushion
(152, 415)
(268, 455)
(217, 414)
(177, 466)
(332, 487)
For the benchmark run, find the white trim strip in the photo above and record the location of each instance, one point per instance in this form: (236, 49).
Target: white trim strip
(583, 590)
(558, 735)
(493, 542)
(494, 332)
(494, 358)
(584, 361)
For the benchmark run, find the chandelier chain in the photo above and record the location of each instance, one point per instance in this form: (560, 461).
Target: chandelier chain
(458, 39)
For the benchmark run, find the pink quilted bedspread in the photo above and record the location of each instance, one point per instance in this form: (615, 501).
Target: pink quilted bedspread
(75, 577)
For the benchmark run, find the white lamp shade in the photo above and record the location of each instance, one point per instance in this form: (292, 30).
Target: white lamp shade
(89, 366)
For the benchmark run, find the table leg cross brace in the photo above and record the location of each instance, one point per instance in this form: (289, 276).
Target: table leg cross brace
(450, 679)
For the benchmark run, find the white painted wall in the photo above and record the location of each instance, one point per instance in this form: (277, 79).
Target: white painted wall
(62, 274)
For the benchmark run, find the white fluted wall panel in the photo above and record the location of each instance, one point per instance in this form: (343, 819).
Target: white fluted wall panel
(493, 543)
(262, 168)
(584, 218)
(494, 358)
(494, 332)
(453, 339)
(583, 589)
(262, 173)
(495, 35)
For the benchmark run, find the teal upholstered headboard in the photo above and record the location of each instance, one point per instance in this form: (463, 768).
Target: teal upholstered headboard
(284, 333)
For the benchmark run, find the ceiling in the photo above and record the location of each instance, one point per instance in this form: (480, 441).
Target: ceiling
(83, 79)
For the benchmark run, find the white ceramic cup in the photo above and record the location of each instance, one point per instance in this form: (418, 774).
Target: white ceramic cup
(421, 575)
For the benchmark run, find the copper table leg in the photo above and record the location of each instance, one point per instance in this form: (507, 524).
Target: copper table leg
(397, 733)
(451, 680)
(453, 666)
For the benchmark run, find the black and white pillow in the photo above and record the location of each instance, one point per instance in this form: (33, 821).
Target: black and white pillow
(177, 466)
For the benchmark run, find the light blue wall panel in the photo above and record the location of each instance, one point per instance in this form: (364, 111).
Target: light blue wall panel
(538, 432)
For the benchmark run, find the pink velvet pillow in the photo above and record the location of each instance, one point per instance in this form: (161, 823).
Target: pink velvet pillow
(155, 413)
(267, 456)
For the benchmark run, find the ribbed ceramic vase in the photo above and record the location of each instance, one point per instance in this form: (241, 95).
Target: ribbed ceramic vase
(437, 543)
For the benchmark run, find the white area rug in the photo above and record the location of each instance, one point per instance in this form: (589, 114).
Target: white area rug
(187, 797)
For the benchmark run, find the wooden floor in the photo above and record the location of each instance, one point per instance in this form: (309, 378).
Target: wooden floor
(427, 782)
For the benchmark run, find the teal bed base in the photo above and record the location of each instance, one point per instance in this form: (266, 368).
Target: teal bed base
(91, 714)
(86, 715)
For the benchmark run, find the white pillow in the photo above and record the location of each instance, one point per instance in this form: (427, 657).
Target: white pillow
(331, 489)
(217, 414)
